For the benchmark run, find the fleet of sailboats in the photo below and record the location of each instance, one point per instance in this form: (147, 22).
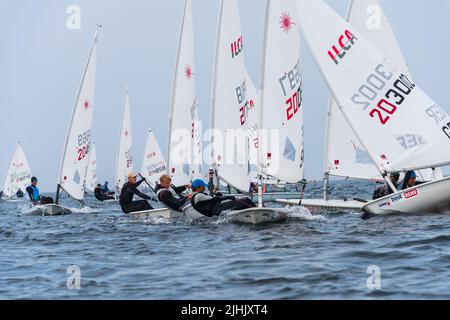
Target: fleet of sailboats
(379, 122)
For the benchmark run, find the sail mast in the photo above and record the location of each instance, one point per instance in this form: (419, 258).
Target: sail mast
(213, 91)
(260, 116)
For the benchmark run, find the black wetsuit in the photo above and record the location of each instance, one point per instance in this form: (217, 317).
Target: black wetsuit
(19, 194)
(100, 195)
(126, 198)
(213, 206)
(169, 199)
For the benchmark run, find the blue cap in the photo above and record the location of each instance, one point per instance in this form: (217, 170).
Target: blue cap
(413, 175)
(199, 183)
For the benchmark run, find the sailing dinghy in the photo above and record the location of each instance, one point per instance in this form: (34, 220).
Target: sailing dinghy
(345, 156)
(184, 151)
(382, 105)
(124, 161)
(18, 176)
(75, 160)
(153, 166)
(230, 98)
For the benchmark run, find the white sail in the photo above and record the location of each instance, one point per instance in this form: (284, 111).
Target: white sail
(124, 164)
(78, 142)
(197, 141)
(91, 177)
(230, 144)
(19, 174)
(345, 155)
(153, 164)
(281, 93)
(185, 101)
(397, 123)
(253, 108)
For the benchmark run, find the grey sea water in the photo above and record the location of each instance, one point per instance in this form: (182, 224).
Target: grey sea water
(339, 256)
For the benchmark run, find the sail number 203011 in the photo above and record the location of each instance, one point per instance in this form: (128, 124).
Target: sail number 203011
(392, 99)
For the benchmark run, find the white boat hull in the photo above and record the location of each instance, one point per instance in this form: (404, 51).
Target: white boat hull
(258, 216)
(327, 206)
(155, 213)
(431, 197)
(52, 210)
(190, 213)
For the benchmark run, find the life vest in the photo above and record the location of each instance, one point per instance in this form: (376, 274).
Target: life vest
(170, 189)
(207, 208)
(35, 193)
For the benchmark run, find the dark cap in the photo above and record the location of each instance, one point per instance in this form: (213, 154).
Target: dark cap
(34, 179)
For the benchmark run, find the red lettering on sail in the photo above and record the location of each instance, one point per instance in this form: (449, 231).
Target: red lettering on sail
(345, 43)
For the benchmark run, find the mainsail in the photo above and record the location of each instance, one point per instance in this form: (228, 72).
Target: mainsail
(184, 125)
(380, 102)
(281, 134)
(345, 155)
(91, 178)
(153, 164)
(19, 173)
(229, 123)
(124, 164)
(75, 159)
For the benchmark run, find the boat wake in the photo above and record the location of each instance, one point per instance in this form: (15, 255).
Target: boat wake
(301, 213)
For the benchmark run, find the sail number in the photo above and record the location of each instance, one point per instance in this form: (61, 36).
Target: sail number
(393, 98)
(242, 98)
(83, 152)
(129, 158)
(446, 129)
(293, 104)
(84, 142)
(289, 82)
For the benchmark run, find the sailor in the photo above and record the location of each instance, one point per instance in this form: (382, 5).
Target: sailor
(386, 189)
(129, 189)
(100, 195)
(213, 206)
(170, 195)
(106, 190)
(19, 193)
(34, 193)
(410, 180)
(1, 194)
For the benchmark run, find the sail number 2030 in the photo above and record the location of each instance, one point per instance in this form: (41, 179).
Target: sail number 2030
(394, 97)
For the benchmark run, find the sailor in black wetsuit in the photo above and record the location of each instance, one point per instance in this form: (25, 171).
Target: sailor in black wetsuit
(170, 195)
(213, 206)
(129, 189)
(19, 193)
(100, 195)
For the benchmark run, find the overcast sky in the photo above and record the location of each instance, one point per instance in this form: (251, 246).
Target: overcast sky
(41, 63)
